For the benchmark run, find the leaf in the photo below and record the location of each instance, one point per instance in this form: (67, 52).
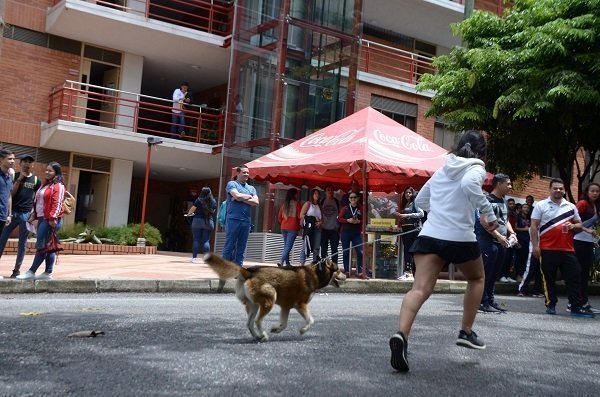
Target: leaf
(86, 334)
(31, 314)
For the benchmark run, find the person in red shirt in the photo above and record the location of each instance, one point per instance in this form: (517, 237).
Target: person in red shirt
(47, 210)
(289, 219)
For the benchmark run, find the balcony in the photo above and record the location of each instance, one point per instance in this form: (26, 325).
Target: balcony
(100, 121)
(392, 63)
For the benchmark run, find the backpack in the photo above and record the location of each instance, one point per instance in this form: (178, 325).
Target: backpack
(222, 213)
(68, 203)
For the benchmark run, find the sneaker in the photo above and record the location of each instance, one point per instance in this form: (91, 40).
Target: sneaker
(398, 346)
(44, 276)
(406, 277)
(521, 294)
(28, 275)
(471, 340)
(488, 309)
(551, 310)
(279, 264)
(510, 280)
(15, 273)
(504, 280)
(538, 296)
(581, 312)
(590, 309)
(194, 260)
(568, 310)
(498, 307)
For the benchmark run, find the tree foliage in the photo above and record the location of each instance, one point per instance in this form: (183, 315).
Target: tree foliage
(530, 78)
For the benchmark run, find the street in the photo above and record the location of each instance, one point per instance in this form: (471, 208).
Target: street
(198, 345)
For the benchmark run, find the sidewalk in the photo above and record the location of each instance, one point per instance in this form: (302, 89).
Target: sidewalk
(174, 272)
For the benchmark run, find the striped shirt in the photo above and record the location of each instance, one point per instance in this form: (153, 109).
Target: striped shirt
(552, 216)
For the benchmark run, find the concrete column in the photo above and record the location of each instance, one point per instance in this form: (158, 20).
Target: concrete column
(119, 191)
(131, 81)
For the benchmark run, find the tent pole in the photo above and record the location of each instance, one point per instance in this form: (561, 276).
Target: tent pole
(365, 219)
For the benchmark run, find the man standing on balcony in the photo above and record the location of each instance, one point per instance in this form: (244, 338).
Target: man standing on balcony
(241, 197)
(23, 191)
(180, 99)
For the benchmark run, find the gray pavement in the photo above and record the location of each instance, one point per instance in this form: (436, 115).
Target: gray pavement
(198, 345)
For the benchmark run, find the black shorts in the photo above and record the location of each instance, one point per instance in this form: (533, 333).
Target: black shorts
(456, 252)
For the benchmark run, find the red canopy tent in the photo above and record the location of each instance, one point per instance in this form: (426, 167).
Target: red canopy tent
(368, 146)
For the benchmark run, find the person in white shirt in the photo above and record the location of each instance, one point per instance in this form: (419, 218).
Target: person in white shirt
(450, 197)
(180, 98)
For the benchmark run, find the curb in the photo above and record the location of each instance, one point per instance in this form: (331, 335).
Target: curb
(9, 286)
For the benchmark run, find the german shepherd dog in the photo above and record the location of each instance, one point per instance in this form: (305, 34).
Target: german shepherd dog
(260, 287)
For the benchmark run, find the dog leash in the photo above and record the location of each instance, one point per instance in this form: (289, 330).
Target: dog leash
(418, 229)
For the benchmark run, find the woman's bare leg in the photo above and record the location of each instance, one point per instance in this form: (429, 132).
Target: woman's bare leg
(473, 272)
(428, 267)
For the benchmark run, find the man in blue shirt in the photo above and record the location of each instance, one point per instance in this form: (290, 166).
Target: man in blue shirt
(241, 198)
(7, 162)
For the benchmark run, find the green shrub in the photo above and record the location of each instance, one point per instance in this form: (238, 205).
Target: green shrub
(69, 231)
(120, 235)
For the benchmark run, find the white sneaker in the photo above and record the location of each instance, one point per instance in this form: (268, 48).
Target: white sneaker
(504, 280)
(510, 280)
(28, 275)
(406, 277)
(44, 276)
(195, 260)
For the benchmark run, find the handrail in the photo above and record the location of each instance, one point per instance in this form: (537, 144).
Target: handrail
(211, 16)
(394, 63)
(105, 107)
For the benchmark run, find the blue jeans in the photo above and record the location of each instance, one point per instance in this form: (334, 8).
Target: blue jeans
(177, 123)
(356, 239)
(316, 250)
(236, 239)
(43, 234)
(201, 229)
(19, 219)
(289, 237)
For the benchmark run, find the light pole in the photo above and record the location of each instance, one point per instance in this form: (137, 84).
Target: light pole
(152, 140)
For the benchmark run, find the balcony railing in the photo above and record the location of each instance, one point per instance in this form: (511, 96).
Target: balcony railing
(126, 111)
(212, 16)
(394, 63)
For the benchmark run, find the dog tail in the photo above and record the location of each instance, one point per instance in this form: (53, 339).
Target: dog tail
(224, 268)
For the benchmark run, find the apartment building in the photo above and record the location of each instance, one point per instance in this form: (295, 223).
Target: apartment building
(88, 82)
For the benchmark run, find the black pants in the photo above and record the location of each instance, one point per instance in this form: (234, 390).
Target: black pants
(492, 254)
(569, 268)
(330, 238)
(408, 240)
(532, 273)
(584, 251)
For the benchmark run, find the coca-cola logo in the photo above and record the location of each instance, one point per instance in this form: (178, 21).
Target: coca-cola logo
(321, 139)
(409, 142)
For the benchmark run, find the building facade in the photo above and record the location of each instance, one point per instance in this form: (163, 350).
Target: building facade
(87, 82)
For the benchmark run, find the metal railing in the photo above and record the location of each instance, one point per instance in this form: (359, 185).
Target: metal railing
(127, 111)
(394, 63)
(211, 16)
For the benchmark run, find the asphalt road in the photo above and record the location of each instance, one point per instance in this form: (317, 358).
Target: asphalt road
(198, 345)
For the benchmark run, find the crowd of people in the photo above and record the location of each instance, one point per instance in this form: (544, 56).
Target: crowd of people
(31, 204)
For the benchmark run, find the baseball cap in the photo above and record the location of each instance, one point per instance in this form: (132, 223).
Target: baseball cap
(27, 157)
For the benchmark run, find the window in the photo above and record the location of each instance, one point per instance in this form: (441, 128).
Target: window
(443, 136)
(550, 171)
(404, 113)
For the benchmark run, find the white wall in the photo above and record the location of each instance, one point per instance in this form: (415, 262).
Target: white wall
(131, 81)
(119, 191)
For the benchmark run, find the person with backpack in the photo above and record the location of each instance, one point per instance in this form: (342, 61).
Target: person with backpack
(25, 184)
(203, 224)
(48, 211)
(330, 227)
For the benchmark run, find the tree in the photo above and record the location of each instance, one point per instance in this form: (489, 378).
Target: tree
(531, 79)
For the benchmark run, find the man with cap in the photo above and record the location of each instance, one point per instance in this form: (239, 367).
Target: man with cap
(23, 191)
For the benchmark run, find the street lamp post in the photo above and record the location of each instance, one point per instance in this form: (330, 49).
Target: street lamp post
(152, 140)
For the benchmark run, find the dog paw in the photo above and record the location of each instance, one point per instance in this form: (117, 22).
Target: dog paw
(303, 330)
(275, 330)
(263, 338)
